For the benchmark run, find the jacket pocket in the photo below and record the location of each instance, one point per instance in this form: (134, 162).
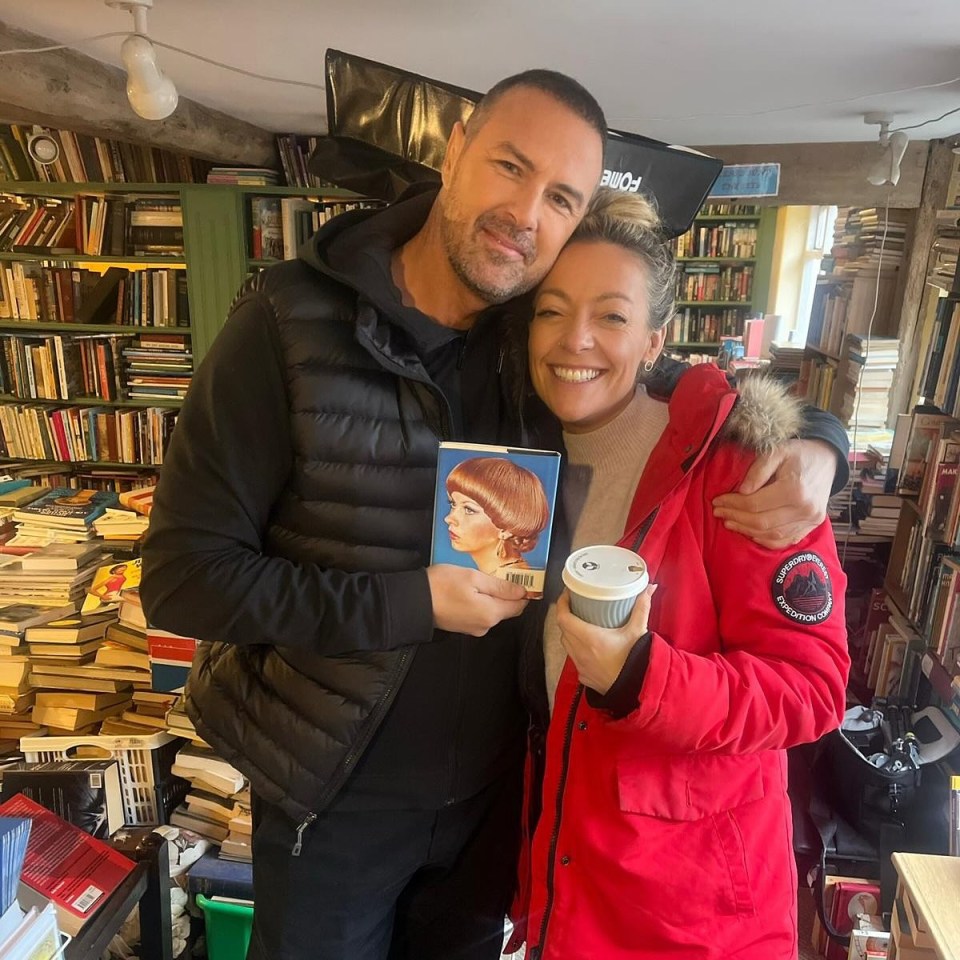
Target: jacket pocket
(696, 801)
(688, 787)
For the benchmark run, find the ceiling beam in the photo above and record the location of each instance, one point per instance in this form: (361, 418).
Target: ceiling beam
(68, 90)
(831, 173)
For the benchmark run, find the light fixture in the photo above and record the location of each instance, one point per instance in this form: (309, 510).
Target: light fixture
(42, 147)
(152, 95)
(885, 170)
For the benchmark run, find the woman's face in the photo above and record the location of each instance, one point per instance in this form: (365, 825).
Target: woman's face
(468, 526)
(590, 334)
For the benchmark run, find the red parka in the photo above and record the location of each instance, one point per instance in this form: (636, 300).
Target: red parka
(666, 833)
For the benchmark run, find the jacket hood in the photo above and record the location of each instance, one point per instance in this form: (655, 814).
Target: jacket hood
(766, 415)
(356, 249)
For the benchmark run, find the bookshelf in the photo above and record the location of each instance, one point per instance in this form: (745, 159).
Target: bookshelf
(723, 274)
(69, 402)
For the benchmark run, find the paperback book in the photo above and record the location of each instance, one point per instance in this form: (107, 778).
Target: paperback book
(493, 511)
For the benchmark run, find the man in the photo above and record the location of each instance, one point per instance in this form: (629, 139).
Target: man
(371, 699)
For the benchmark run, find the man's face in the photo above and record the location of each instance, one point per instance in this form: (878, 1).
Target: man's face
(514, 192)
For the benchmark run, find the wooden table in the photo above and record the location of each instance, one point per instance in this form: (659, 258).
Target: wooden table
(928, 903)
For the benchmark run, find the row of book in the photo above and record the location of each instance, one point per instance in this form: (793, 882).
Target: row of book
(85, 159)
(40, 293)
(91, 225)
(690, 325)
(725, 240)
(244, 176)
(729, 210)
(940, 380)
(85, 434)
(711, 281)
(280, 225)
(295, 151)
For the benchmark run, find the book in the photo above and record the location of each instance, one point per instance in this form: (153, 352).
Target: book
(72, 718)
(14, 833)
(109, 582)
(67, 507)
(15, 618)
(76, 629)
(86, 793)
(493, 510)
(76, 871)
(65, 557)
(212, 876)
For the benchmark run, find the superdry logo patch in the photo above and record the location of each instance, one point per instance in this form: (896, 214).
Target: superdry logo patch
(802, 590)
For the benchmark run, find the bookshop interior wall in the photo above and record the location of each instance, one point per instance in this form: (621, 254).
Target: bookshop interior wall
(118, 264)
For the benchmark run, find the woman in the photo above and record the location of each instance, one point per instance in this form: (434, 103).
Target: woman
(665, 826)
(498, 510)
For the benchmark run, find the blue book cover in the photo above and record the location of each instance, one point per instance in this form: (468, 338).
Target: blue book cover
(493, 510)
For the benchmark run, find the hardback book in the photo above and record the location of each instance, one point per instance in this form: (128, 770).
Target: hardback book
(86, 793)
(14, 833)
(76, 871)
(21, 495)
(493, 510)
(206, 827)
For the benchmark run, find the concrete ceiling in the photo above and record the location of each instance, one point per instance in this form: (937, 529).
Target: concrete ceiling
(685, 71)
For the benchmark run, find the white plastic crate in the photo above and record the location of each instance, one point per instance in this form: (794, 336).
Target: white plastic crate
(142, 773)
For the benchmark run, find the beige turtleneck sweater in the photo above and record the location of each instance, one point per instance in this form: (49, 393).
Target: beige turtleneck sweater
(600, 478)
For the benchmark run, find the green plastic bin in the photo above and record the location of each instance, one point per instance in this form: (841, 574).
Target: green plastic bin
(228, 928)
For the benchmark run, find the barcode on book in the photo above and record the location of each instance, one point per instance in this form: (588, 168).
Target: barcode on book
(88, 898)
(524, 579)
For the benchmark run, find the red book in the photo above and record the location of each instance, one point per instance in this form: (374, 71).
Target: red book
(65, 865)
(850, 899)
(169, 647)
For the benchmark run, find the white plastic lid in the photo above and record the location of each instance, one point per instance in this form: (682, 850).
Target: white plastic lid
(605, 573)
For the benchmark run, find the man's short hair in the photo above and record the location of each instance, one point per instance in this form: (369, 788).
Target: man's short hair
(562, 88)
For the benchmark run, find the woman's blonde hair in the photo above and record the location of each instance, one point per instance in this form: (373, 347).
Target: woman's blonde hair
(631, 221)
(510, 495)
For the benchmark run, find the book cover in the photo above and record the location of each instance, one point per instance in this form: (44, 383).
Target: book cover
(493, 511)
(68, 506)
(74, 870)
(16, 617)
(109, 582)
(85, 793)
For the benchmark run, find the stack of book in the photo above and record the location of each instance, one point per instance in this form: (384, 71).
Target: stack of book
(244, 176)
(869, 379)
(54, 576)
(120, 526)
(159, 367)
(144, 715)
(62, 515)
(219, 793)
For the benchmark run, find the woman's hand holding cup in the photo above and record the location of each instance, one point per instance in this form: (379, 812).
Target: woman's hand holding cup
(599, 653)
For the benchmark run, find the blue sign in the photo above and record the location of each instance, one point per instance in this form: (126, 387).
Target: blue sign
(747, 180)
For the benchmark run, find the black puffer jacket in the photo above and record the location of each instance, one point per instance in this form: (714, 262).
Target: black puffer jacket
(307, 582)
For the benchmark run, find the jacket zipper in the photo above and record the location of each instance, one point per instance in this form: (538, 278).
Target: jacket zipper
(558, 813)
(307, 820)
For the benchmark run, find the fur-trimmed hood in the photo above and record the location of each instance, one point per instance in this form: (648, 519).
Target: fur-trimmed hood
(765, 416)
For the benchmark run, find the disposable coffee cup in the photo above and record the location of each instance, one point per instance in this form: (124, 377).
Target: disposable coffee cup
(604, 583)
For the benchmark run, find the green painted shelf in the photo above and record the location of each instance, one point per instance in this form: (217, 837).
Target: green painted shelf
(745, 304)
(727, 216)
(90, 402)
(716, 259)
(121, 329)
(691, 345)
(169, 262)
(87, 189)
(108, 464)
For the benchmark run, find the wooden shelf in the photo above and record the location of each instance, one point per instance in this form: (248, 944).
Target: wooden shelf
(692, 345)
(823, 353)
(7, 398)
(176, 263)
(121, 329)
(40, 188)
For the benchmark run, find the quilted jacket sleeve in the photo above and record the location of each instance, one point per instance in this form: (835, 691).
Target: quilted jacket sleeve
(780, 674)
(204, 572)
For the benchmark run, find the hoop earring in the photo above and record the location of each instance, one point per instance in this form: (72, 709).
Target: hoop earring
(649, 365)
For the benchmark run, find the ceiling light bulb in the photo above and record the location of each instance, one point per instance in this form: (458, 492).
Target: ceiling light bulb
(152, 95)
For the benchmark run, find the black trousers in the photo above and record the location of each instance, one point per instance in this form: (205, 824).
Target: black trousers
(387, 885)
